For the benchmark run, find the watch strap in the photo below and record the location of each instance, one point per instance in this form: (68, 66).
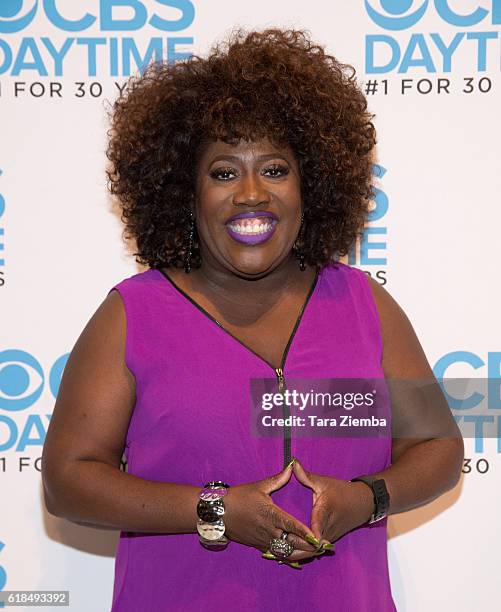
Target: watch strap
(381, 496)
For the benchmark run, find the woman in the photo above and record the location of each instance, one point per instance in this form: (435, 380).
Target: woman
(242, 177)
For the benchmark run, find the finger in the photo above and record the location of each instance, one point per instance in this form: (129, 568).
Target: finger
(318, 520)
(303, 475)
(286, 522)
(277, 481)
(297, 542)
(301, 555)
(319, 525)
(290, 563)
(297, 552)
(302, 545)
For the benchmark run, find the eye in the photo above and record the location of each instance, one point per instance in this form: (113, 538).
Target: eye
(276, 170)
(222, 174)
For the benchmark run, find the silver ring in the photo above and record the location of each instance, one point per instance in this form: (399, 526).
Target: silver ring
(281, 547)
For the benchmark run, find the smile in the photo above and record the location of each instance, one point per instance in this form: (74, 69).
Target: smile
(252, 228)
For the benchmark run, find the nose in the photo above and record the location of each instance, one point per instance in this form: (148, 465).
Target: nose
(250, 191)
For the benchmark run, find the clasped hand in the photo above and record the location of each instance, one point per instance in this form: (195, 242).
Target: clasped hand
(252, 518)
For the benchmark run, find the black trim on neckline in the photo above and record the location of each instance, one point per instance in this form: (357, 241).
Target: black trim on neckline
(221, 326)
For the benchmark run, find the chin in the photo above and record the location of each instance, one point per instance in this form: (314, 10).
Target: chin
(253, 268)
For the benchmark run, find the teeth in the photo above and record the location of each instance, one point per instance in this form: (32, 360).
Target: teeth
(250, 226)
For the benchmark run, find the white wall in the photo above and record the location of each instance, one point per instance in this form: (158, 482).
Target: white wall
(63, 252)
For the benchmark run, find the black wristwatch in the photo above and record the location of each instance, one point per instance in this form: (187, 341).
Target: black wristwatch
(381, 496)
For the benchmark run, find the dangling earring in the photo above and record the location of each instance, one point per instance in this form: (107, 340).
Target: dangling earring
(299, 244)
(189, 248)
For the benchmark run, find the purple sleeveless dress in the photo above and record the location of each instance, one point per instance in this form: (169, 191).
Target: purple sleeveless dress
(191, 425)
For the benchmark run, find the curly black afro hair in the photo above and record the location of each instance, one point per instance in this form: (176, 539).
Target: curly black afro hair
(276, 84)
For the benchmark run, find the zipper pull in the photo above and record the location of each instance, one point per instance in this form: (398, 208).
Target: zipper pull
(281, 379)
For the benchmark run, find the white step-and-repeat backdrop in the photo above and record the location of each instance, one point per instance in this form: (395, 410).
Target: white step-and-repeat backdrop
(431, 72)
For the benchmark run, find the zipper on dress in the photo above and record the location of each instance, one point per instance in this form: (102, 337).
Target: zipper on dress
(278, 371)
(286, 413)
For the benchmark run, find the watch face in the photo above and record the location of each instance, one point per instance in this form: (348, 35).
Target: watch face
(210, 531)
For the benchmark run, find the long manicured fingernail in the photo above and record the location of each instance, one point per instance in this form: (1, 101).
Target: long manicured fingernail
(291, 462)
(312, 540)
(294, 564)
(328, 546)
(267, 555)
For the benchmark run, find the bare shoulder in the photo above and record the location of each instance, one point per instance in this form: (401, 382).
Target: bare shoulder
(403, 355)
(96, 394)
(109, 319)
(104, 336)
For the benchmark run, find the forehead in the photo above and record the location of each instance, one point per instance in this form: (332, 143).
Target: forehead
(245, 149)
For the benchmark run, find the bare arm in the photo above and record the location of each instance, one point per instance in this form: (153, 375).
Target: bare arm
(86, 437)
(427, 448)
(425, 466)
(85, 442)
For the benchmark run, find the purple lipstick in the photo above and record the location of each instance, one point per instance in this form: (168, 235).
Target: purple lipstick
(252, 227)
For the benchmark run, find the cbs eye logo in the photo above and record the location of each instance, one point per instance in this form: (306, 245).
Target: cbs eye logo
(22, 379)
(403, 14)
(12, 16)
(3, 574)
(395, 19)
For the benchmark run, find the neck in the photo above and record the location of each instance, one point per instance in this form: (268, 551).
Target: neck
(223, 281)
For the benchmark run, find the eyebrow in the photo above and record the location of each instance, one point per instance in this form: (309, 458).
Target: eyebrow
(235, 158)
